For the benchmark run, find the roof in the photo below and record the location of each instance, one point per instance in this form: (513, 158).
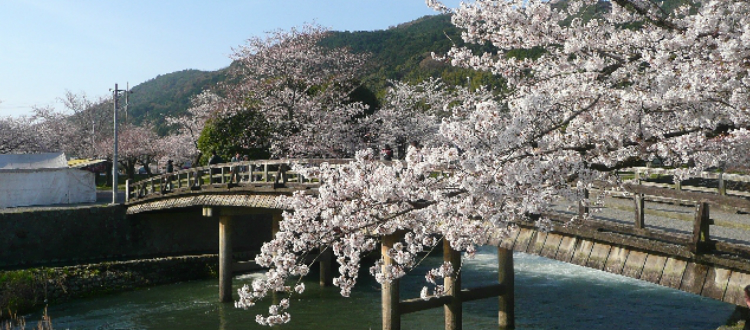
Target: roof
(33, 161)
(81, 163)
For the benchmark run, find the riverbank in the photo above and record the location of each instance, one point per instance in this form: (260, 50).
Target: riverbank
(28, 290)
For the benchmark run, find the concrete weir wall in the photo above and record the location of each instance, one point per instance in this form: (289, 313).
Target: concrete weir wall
(708, 281)
(86, 235)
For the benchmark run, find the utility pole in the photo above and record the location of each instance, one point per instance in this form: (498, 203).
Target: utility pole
(127, 100)
(116, 96)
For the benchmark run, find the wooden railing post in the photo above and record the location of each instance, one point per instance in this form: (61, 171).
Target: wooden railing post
(389, 291)
(265, 173)
(506, 317)
(639, 211)
(701, 228)
(453, 309)
(583, 209)
(722, 185)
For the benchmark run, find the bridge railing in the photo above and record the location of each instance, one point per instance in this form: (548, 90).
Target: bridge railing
(697, 242)
(717, 180)
(256, 173)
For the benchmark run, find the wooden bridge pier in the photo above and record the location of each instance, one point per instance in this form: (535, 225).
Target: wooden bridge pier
(225, 250)
(225, 258)
(393, 307)
(226, 217)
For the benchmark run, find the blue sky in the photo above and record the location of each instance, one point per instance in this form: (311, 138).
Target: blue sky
(86, 46)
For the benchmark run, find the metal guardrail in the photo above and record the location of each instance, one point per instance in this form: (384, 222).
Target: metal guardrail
(258, 172)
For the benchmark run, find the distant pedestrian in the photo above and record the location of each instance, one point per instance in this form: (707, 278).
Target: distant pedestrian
(386, 153)
(215, 159)
(168, 177)
(235, 170)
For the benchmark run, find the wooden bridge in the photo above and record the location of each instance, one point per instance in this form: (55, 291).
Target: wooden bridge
(689, 259)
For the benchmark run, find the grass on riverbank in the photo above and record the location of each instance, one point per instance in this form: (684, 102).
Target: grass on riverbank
(19, 323)
(19, 290)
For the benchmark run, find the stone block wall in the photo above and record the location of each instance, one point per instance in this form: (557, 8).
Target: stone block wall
(85, 235)
(22, 291)
(685, 275)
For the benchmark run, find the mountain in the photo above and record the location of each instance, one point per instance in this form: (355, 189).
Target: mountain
(169, 95)
(401, 52)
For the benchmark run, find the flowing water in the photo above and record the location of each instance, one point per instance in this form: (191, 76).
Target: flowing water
(549, 295)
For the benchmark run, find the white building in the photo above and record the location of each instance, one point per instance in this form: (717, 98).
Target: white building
(43, 179)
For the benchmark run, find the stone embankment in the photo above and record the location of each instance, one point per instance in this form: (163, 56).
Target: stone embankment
(22, 291)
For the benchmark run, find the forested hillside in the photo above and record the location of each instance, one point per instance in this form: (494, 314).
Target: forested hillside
(169, 94)
(400, 53)
(404, 52)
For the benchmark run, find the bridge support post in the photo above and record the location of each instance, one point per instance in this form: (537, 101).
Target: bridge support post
(453, 309)
(506, 317)
(225, 258)
(324, 261)
(390, 298)
(275, 224)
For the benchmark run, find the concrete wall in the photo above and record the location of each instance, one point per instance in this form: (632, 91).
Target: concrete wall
(76, 236)
(47, 186)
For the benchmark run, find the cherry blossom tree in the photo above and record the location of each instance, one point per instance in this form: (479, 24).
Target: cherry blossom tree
(73, 131)
(182, 146)
(299, 87)
(412, 113)
(635, 83)
(85, 122)
(136, 145)
(17, 136)
(45, 131)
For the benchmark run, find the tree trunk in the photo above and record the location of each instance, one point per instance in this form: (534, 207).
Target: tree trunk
(109, 173)
(129, 166)
(197, 160)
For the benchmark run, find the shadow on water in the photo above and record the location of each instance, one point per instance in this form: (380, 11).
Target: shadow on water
(549, 295)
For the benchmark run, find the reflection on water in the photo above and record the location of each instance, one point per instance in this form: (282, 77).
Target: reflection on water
(549, 295)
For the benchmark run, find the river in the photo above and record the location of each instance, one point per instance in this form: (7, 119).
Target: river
(549, 295)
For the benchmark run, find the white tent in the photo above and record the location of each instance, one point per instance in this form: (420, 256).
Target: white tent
(43, 179)
(33, 161)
